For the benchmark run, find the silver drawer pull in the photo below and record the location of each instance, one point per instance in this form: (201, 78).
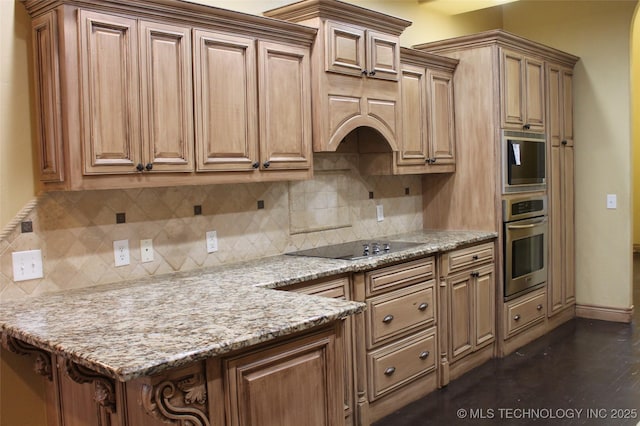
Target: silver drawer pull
(387, 319)
(424, 355)
(389, 371)
(423, 306)
(516, 317)
(539, 307)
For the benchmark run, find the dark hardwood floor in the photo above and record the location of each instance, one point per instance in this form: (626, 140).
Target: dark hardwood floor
(584, 372)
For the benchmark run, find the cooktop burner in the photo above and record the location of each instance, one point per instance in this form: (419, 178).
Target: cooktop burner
(356, 249)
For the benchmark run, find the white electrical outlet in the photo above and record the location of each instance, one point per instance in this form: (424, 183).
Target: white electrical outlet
(612, 201)
(380, 212)
(27, 265)
(121, 252)
(146, 251)
(212, 241)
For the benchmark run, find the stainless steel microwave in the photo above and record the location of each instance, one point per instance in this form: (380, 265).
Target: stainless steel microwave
(523, 161)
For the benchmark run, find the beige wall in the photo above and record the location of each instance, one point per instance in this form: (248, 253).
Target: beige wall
(635, 114)
(16, 160)
(599, 33)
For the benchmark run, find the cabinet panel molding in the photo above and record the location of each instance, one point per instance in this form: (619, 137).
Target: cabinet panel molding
(110, 103)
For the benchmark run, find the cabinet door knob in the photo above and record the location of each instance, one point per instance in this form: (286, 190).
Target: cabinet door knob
(564, 142)
(372, 73)
(255, 165)
(266, 164)
(139, 167)
(423, 306)
(149, 167)
(516, 317)
(474, 257)
(389, 371)
(364, 72)
(539, 307)
(475, 274)
(424, 355)
(526, 126)
(387, 319)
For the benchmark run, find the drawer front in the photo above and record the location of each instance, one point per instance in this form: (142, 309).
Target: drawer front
(525, 311)
(400, 312)
(337, 288)
(459, 260)
(398, 276)
(394, 365)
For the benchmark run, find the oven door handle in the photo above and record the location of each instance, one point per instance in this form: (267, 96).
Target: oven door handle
(530, 225)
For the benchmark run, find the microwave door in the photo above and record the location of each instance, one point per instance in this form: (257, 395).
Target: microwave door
(525, 162)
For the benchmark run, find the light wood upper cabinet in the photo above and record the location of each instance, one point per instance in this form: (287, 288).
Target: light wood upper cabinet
(284, 98)
(522, 97)
(428, 120)
(561, 190)
(357, 56)
(47, 91)
(110, 93)
(166, 97)
(188, 94)
(226, 89)
(356, 51)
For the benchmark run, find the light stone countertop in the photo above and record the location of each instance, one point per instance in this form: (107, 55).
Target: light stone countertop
(138, 328)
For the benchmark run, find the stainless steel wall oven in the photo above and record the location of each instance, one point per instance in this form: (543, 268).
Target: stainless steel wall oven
(525, 244)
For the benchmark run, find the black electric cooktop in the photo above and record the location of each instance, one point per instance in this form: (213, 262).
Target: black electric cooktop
(356, 249)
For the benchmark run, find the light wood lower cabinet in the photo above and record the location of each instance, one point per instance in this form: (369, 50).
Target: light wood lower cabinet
(292, 381)
(400, 347)
(337, 288)
(289, 385)
(468, 287)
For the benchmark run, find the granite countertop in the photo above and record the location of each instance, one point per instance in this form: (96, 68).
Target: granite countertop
(138, 328)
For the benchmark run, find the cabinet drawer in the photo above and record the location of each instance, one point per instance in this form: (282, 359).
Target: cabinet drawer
(400, 312)
(459, 260)
(525, 311)
(337, 288)
(394, 365)
(397, 276)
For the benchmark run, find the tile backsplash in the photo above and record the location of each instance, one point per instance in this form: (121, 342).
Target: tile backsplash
(76, 230)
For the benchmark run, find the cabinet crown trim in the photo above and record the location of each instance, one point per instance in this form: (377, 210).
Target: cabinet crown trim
(184, 12)
(502, 38)
(343, 12)
(422, 58)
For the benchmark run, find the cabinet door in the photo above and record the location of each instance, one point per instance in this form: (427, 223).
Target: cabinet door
(460, 299)
(383, 56)
(513, 89)
(534, 94)
(284, 96)
(414, 142)
(47, 91)
(485, 303)
(166, 97)
(344, 48)
(522, 97)
(561, 189)
(109, 95)
(441, 117)
(289, 385)
(226, 102)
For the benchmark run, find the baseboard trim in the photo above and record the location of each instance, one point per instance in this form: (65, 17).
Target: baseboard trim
(605, 313)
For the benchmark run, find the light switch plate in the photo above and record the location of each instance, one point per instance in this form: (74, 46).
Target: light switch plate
(146, 251)
(212, 241)
(27, 265)
(380, 212)
(612, 201)
(121, 252)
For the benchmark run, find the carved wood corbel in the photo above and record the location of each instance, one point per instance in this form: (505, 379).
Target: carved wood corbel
(157, 400)
(42, 364)
(104, 395)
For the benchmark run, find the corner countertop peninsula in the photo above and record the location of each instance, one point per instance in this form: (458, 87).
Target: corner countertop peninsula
(143, 327)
